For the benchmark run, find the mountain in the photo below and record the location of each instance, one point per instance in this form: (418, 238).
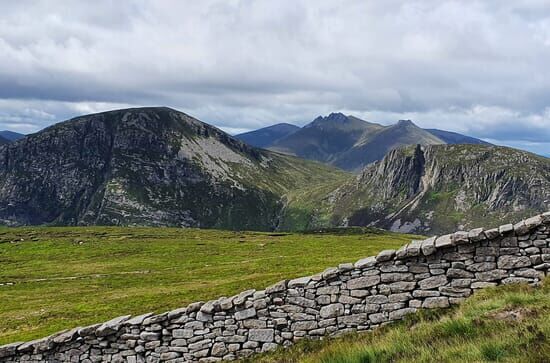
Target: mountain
(347, 141)
(437, 189)
(374, 145)
(456, 138)
(10, 135)
(266, 136)
(4, 141)
(325, 137)
(148, 166)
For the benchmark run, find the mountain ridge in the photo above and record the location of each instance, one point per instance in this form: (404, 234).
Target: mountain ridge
(146, 166)
(351, 143)
(438, 188)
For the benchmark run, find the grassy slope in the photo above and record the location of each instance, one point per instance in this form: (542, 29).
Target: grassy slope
(69, 276)
(483, 329)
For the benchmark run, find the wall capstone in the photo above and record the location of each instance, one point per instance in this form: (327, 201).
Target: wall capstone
(434, 273)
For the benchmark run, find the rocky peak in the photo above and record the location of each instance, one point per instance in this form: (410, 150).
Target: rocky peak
(438, 188)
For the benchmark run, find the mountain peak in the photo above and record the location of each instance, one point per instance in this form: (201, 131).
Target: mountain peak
(334, 117)
(406, 123)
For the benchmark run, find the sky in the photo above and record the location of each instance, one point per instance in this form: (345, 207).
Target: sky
(477, 67)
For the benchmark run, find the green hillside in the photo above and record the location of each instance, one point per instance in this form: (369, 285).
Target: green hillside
(54, 278)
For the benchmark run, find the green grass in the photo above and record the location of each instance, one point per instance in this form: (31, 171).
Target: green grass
(479, 330)
(74, 276)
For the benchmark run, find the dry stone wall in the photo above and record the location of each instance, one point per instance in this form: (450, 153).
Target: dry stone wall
(434, 273)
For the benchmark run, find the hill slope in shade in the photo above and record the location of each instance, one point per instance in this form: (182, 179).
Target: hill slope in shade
(440, 188)
(147, 166)
(4, 141)
(266, 136)
(10, 135)
(325, 138)
(456, 138)
(375, 145)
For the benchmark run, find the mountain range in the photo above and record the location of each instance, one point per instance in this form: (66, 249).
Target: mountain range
(161, 167)
(348, 142)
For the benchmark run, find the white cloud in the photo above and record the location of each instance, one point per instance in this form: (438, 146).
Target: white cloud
(477, 67)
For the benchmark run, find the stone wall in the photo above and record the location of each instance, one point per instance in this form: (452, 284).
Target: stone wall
(434, 273)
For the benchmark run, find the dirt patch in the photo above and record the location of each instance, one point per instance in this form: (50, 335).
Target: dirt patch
(513, 314)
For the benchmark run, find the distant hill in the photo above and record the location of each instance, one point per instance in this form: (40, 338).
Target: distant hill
(10, 135)
(375, 145)
(349, 142)
(456, 138)
(148, 166)
(266, 136)
(435, 189)
(4, 141)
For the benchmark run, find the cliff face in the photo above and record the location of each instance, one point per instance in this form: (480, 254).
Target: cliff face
(438, 188)
(149, 166)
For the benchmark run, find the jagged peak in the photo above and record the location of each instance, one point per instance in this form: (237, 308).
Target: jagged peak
(405, 123)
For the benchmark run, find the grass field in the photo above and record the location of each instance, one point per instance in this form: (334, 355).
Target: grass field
(54, 278)
(503, 324)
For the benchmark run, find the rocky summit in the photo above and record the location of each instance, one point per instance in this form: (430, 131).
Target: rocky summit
(440, 188)
(146, 166)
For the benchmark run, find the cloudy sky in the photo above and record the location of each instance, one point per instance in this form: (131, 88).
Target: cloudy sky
(477, 67)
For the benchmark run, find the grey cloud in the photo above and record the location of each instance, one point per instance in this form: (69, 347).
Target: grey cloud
(477, 67)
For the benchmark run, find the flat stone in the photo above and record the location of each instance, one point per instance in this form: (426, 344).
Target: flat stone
(138, 320)
(401, 313)
(245, 314)
(330, 273)
(436, 302)
(363, 282)
(481, 266)
(476, 235)
(428, 246)
(534, 222)
(444, 241)
(506, 228)
(261, 335)
(491, 275)
(332, 311)
(511, 262)
(521, 228)
(299, 282)
(366, 262)
(460, 237)
(111, 326)
(433, 282)
(275, 288)
(385, 255)
(402, 286)
(492, 233)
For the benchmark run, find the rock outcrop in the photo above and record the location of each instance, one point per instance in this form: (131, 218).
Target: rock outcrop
(434, 273)
(441, 188)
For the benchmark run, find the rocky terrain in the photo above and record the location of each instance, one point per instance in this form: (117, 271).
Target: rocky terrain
(439, 188)
(148, 166)
(349, 142)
